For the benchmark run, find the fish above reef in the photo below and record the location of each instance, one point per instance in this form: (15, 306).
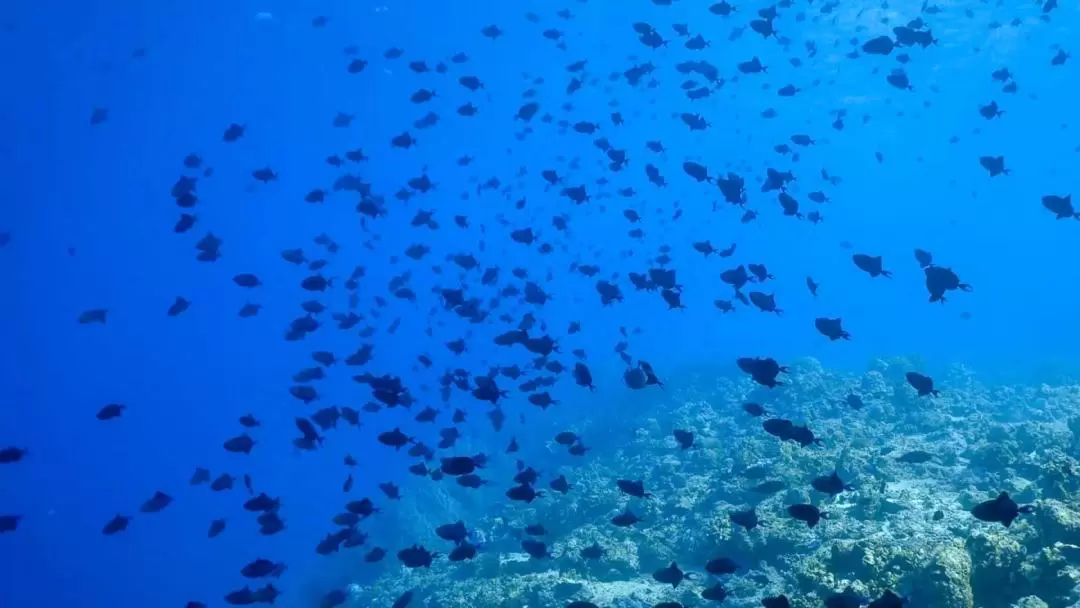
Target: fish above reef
(437, 325)
(671, 575)
(915, 457)
(1002, 510)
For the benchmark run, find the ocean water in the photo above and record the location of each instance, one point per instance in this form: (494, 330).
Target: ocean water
(103, 102)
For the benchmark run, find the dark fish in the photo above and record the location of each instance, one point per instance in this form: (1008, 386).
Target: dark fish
(1060, 206)
(116, 524)
(460, 465)
(375, 555)
(762, 370)
(454, 532)
(233, 133)
(390, 490)
(156, 503)
(924, 258)
(831, 329)
(260, 568)
(97, 315)
(940, 280)
(715, 593)
(882, 45)
(582, 376)
(566, 437)
(462, 552)
(994, 165)
(523, 493)
(333, 598)
(111, 411)
(625, 519)
(721, 565)
(223, 482)
(593, 551)
(845, 599)
(535, 548)
(671, 575)
(240, 444)
(560, 485)
(684, 438)
(830, 484)
(854, 401)
(778, 601)
(633, 488)
(395, 439)
(178, 306)
(216, 527)
(747, 519)
(915, 457)
(261, 503)
(1002, 509)
(923, 384)
(769, 487)
(754, 409)
(807, 513)
(888, 600)
(871, 265)
(200, 476)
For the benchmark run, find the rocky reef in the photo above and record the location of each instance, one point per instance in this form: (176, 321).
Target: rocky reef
(904, 524)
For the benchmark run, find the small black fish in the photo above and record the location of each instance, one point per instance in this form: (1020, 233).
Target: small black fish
(721, 565)
(1002, 509)
(755, 409)
(831, 329)
(747, 519)
(923, 384)
(116, 524)
(871, 265)
(560, 485)
(779, 601)
(807, 513)
(830, 484)
(9, 523)
(684, 438)
(111, 411)
(156, 503)
(915, 457)
(671, 575)
(633, 488)
(395, 439)
(625, 519)
(594, 551)
(216, 527)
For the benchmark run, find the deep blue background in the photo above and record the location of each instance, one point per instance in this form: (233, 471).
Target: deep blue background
(103, 190)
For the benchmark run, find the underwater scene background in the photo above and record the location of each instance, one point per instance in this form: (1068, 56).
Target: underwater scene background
(637, 303)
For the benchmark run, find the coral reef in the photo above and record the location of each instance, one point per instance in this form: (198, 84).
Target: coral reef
(903, 525)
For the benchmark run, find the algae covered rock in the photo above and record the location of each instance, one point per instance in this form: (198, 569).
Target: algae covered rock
(880, 560)
(1050, 576)
(997, 557)
(904, 525)
(1057, 522)
(1030, 602)
(945, 582)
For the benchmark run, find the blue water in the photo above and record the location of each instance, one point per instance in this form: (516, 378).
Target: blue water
(90, 220)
